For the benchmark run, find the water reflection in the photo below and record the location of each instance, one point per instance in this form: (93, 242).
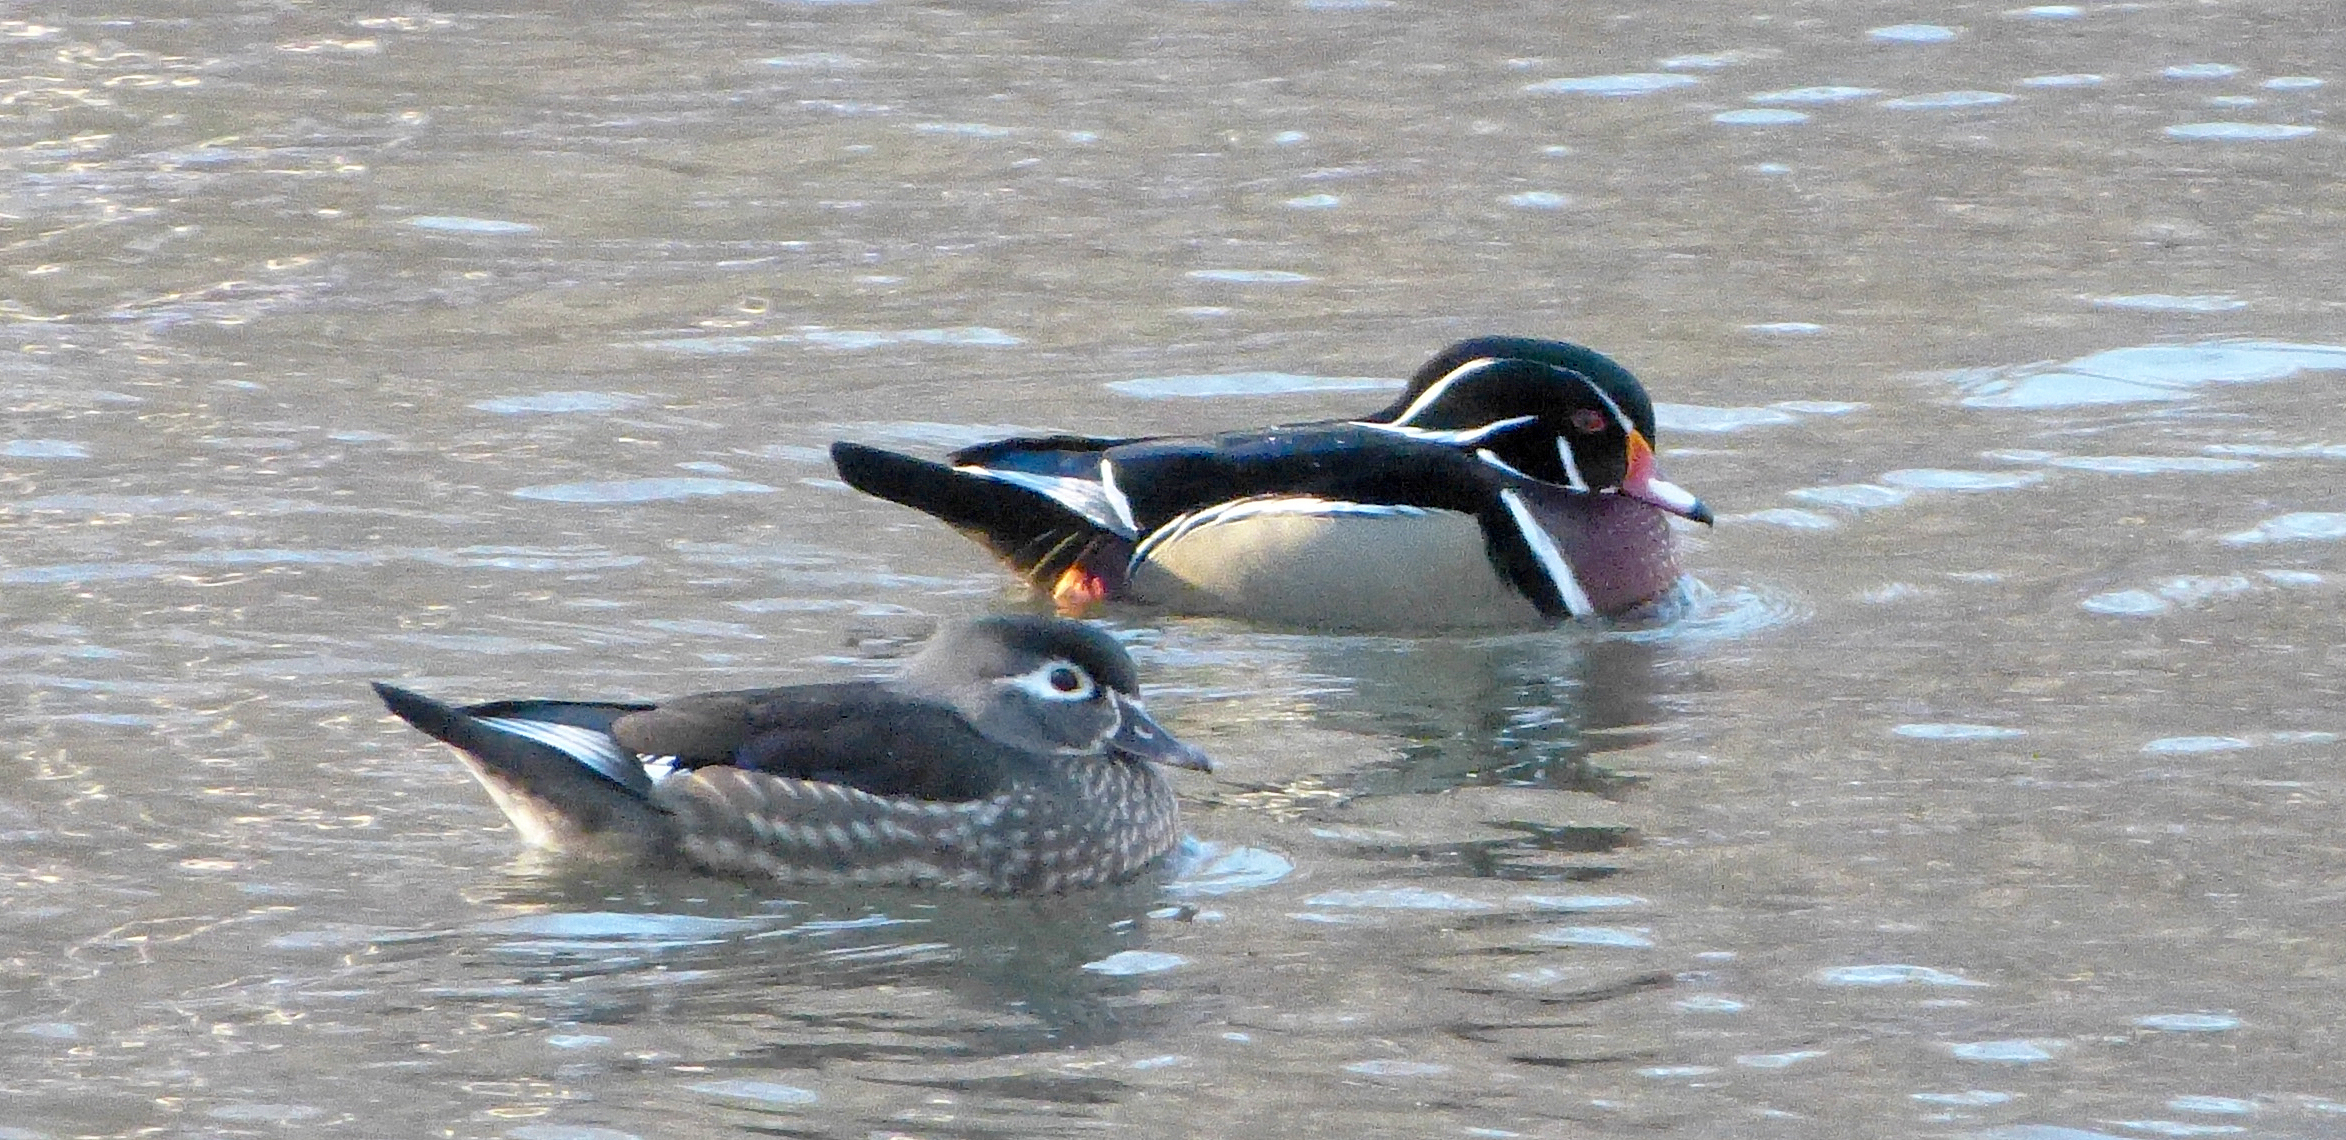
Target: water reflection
(1530, 710)
(595, 949)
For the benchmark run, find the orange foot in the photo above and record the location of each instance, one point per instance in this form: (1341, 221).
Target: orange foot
(1077, 591)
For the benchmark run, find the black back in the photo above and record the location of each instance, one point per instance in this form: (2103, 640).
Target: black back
(1165, 478)
(1074, 455)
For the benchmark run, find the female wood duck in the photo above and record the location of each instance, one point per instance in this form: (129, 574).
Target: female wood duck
(1012, 756)
(1511, 484)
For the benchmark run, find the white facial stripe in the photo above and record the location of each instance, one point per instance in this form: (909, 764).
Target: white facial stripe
(1441, 388)
(1618, 416)
(1036, 682)
(594, 749)
(1083, 496)
(1551, 560)
(1462, 437)
(1262, 506)
(1572, 477)
(1140, 729)
(1488, 456)
(1115, 496)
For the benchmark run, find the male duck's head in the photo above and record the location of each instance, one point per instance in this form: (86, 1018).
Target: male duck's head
(1047, 685)
(1554, 411)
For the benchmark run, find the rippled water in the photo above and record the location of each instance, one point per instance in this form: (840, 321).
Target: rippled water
(1989, 788)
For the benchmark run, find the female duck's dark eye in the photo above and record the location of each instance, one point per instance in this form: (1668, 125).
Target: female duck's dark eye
(1066, 679)
(1588, 421)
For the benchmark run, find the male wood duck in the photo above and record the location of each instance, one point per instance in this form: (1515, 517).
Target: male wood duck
(1012, 756)
(1511, 484)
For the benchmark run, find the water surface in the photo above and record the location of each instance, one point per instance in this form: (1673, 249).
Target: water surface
(1990, 790)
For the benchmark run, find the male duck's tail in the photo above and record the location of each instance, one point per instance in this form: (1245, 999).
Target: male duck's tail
(1054, 529)
(551, 767)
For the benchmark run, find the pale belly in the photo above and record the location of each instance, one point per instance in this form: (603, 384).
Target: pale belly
(1403, 572)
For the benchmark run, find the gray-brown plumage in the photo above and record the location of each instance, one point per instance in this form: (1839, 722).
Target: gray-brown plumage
(1012, 756)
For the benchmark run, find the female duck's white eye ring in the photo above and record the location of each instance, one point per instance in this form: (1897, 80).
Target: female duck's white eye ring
(1057, 681)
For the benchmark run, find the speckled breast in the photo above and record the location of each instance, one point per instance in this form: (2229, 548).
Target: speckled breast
(1623, 550)
(1088, 822)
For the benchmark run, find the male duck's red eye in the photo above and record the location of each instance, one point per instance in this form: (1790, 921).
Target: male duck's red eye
(1588, 421)
(1066, 679)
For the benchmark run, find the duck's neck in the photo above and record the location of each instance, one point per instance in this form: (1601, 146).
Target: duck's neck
(1621, 549)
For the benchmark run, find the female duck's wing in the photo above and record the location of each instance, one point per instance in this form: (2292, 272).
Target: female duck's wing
(856, 734)
(550, 766)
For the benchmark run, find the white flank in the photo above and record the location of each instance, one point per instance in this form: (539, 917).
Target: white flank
(1083, 496)
(1459, 437)
(1262, 506)
(594, 749)
(1543, 547)
(1441, 388)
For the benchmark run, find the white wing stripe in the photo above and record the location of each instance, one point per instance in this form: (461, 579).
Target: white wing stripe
(1083, 496)
(1115, 497)
(1543, 548)
(594, 749)
(1462, 437)
(1264, 507)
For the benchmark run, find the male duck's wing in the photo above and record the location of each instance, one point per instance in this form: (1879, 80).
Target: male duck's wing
(1043, 517)
(1070, 480)
(1163, 479)
(856, 734)
(1076, 455)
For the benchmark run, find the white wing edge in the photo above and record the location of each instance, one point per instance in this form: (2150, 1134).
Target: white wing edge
(1085, 497)
(594, 749)
(1261, 506)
